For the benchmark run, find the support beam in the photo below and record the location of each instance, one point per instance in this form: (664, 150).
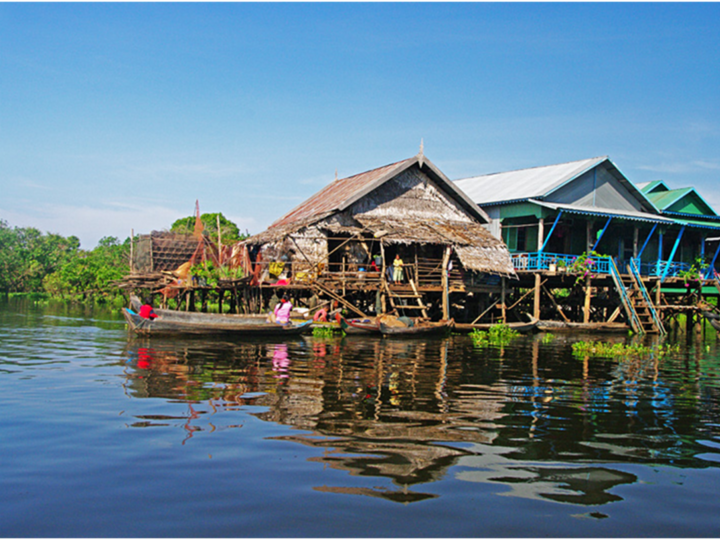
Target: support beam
(536, 302)
(602, 232)
(588, 297)
(712, 264)
(672, 253)
(551, 231)
(646, 242)
(503, 295)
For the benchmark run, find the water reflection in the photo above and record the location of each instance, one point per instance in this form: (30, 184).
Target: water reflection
(530, 418)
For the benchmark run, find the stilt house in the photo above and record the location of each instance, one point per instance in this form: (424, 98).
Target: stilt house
(553, 214)
(343, 242)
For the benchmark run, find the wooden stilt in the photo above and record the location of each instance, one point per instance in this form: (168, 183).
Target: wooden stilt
(536, 300)
(503, 294)
(588, 298)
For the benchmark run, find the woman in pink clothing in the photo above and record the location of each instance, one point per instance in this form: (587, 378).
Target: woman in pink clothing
(282, 311)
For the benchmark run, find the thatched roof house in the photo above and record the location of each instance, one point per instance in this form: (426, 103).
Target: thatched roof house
(399, 208)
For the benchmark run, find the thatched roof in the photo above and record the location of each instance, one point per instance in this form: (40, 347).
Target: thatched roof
(329, 210)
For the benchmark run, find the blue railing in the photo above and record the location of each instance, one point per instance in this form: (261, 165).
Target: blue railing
(558, 261)
(634, 268)
(625, 298)
(597, 265)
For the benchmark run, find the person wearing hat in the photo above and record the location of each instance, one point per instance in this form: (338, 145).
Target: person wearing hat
(282, 310)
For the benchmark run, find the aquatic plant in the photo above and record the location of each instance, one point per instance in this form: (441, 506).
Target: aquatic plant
(547, 338)
(497, 334)
(602, 349)
(323, 331)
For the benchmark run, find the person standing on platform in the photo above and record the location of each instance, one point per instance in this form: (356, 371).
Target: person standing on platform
(397, 269)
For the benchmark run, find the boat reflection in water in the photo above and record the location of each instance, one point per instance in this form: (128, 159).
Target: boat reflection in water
(531, 420)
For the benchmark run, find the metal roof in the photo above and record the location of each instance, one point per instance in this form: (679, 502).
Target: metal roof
(665, 199)
(605, 212)
(523, 184)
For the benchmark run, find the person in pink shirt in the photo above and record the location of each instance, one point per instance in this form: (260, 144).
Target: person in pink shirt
(282, 310)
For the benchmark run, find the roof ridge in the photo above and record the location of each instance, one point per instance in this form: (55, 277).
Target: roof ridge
(536, 167)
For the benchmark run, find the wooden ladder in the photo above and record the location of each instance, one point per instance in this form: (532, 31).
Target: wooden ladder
(404, 297)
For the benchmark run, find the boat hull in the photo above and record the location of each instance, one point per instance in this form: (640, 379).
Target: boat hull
(180, 323)
(523, 328)
(356, 326)
(417, 330)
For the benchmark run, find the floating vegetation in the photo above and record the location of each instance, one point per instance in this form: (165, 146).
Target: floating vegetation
(324, 331)
(602, 349)
(498, 334)
(547, 338)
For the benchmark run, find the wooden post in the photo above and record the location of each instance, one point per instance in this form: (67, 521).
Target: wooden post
(445, 291)
(588, 297)
(541, 233)
(502, 300)
(636, 234)
(536, 300)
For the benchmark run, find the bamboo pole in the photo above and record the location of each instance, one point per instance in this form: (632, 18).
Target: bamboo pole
(536, 300)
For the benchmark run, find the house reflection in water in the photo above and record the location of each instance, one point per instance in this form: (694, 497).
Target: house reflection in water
(414, 412)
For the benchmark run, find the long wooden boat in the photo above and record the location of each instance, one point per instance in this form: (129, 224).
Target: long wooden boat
(360, 326)
(171, 322)
(522, 327)
(597, 327)
(418, 329)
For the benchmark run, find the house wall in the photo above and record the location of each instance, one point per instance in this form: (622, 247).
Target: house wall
(410, 194)
(596, 188)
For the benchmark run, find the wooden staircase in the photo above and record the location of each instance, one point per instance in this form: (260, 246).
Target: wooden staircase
(403, 301)
(638, 306)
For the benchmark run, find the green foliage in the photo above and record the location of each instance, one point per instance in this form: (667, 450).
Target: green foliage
(694, 272)
(229, 232)
(91, 272)
(27, 256)
(601, 349)
(498, 334)
(547, 338)
(323, 331)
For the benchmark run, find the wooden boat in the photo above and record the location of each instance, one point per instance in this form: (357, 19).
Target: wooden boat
(522, 327)
(171, 322)
(418, 329)
(597, 327)
(359, 326)
(713, 319)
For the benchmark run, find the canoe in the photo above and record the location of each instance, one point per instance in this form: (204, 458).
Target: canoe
(418, 329)
(522, 327)
(360, 326)
(171, 322)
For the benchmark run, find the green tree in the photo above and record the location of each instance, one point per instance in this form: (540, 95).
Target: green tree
(228, 230)
(27, 256)
(92, 273)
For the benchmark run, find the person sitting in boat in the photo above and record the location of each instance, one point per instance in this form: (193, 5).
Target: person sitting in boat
(282, 310)
(147, 311)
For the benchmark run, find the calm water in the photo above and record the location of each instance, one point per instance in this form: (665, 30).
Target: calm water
(106, 435)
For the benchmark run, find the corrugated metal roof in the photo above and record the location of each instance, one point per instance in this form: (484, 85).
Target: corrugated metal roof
(524, 183)
(336, 195)
(605, 212)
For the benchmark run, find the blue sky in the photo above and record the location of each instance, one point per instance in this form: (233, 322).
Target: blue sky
(119, 116)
